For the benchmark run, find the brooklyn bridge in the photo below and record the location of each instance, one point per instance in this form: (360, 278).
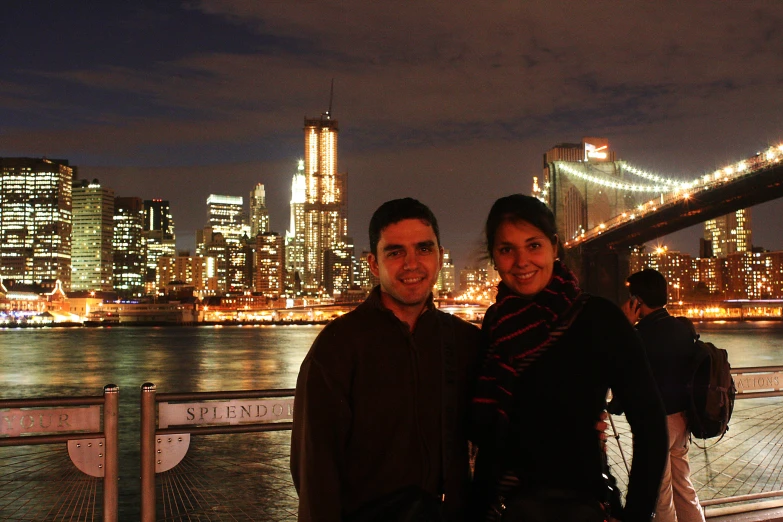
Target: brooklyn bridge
(605, 207)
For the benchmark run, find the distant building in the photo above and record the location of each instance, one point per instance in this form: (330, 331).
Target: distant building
(226, 217)
(36, 220)
(326, 223)
(295, 235)
(129, 248)
(193, 271)
(578, 203)
(214, 246)
(366, 280)
(446, 279)
(93, 232)
(730, 233)
(159, 239)
(338, 268)
(269, 265)
(259, 215)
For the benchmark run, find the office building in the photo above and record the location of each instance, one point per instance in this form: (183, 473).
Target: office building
(447, 277)
(259, 215)
(729, 233)
(93, 233)
(295, 235)
(338, 268)
(226, 217)
(325, 207)
(269, 264)
(35, 220)
(365, 279)
(159, 239)
(129, 252)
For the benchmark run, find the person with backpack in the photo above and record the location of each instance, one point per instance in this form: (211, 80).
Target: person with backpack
(669, 344)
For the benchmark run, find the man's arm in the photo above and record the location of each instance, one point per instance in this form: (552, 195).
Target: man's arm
(317, 441)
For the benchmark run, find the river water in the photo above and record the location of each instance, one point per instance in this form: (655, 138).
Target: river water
(80, 361)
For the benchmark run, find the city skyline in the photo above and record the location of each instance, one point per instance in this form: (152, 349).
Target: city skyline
(182, 100)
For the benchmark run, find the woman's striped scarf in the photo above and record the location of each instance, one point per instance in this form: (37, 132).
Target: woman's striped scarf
(515, 327)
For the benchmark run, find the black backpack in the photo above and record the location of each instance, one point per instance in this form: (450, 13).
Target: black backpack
(711, 392)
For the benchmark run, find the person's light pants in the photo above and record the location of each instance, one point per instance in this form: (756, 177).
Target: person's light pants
(677, 501)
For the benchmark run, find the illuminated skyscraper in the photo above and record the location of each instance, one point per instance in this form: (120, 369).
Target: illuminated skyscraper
(35, 220)
(730, 233)
(227, 218)
(324, 209)
(295, 235)
(129, 250)
(447, 277)
(259, 215)
(270, 259)
(159, 238)
(338, 268)
(93, 231)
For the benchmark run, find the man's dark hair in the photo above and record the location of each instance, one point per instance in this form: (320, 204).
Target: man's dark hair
(650, 286)
(395, 211)
(519, 207)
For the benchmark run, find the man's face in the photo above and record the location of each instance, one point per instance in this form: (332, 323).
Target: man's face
(407, 263)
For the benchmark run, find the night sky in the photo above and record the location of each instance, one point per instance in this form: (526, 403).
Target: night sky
(453, 103)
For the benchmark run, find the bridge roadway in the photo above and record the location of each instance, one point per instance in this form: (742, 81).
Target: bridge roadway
(685, 211)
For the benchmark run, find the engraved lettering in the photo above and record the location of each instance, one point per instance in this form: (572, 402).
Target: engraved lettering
(191, 414)
(277, 409)
(64, 421)
(231, 412)
(258, 410)
(9, 420)
(204, 411)
(41, 420)
(244, 409)
(215, 413)
(27, 422)
(290, 408)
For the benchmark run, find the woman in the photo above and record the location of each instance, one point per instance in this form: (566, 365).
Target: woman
(552, 355)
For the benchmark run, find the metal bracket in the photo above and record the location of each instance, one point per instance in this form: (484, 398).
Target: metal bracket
(170, 450)
(88, 455)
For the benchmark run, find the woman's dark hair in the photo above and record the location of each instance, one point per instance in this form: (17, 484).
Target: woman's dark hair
(518, 207)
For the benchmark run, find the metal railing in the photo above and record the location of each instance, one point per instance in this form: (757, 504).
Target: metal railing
(75, 421)
(180, 415)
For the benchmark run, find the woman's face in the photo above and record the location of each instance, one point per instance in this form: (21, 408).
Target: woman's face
(524, 257)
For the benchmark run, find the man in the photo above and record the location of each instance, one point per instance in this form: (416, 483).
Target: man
(371, 403)
(669, 343)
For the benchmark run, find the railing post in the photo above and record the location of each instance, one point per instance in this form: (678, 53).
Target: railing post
(111, 393)
(148, 452)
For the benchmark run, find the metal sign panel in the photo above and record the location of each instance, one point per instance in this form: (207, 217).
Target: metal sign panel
(18, 421)
(225, 412)
(753, 382)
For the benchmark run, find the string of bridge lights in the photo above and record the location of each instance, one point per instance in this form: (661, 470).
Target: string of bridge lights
(667, 184)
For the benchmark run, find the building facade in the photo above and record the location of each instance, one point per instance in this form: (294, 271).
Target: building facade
(36, 220)
(295, 235)
(259, 215)
(93, 234)
(729, 234)
(325, 207)
(129, 249)
(159, 239)
(269, 265)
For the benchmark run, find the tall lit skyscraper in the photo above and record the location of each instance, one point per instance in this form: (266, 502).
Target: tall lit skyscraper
(259, 215)
(447, 277)
(159, 238)
(325, 211)
(129, 249)
(730, 233)
(270, 257)
(35, 220)
(295, 235)
(93, 232)
(226, 217)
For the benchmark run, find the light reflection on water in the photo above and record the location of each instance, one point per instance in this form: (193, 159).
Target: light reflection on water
(58, 362)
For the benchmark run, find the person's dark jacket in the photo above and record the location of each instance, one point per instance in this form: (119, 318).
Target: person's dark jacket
(367, 412)
(553, 442)
(670, 349)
